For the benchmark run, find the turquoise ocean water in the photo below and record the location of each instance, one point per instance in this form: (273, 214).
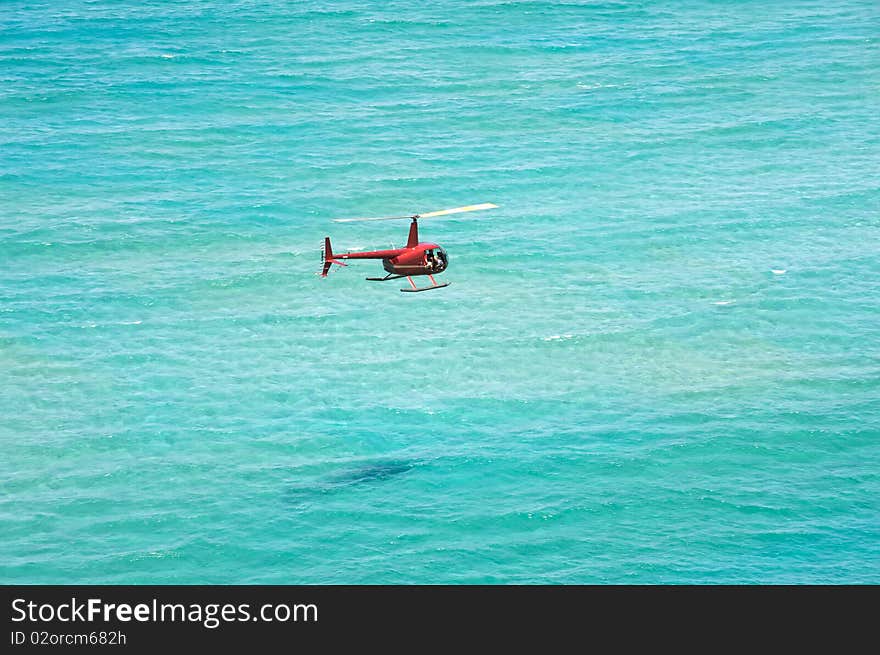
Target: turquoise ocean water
(658, 360)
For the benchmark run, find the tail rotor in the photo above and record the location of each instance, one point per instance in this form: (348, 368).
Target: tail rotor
(327, 258)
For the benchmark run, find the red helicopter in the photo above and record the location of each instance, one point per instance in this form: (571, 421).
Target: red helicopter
(414, 259)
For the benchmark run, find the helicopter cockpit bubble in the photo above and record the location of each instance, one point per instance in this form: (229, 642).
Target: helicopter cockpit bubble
(441, 258)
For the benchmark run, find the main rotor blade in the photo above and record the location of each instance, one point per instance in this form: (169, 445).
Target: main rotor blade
(458, 210)
(383, 218)
(443, 212)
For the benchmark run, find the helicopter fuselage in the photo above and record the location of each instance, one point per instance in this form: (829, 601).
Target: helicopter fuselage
(421, 259)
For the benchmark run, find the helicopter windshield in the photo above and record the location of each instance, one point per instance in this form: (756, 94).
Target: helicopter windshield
(436, 259)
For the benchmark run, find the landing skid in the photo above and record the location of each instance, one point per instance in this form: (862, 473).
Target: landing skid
(387, 277)
(416, 289)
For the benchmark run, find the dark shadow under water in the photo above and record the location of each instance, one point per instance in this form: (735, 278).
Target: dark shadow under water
(360, 474)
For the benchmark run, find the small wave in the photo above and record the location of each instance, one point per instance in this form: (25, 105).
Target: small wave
(556, 337)
(778, 271)
(597, 85)
(725, 302)
(94, 325)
